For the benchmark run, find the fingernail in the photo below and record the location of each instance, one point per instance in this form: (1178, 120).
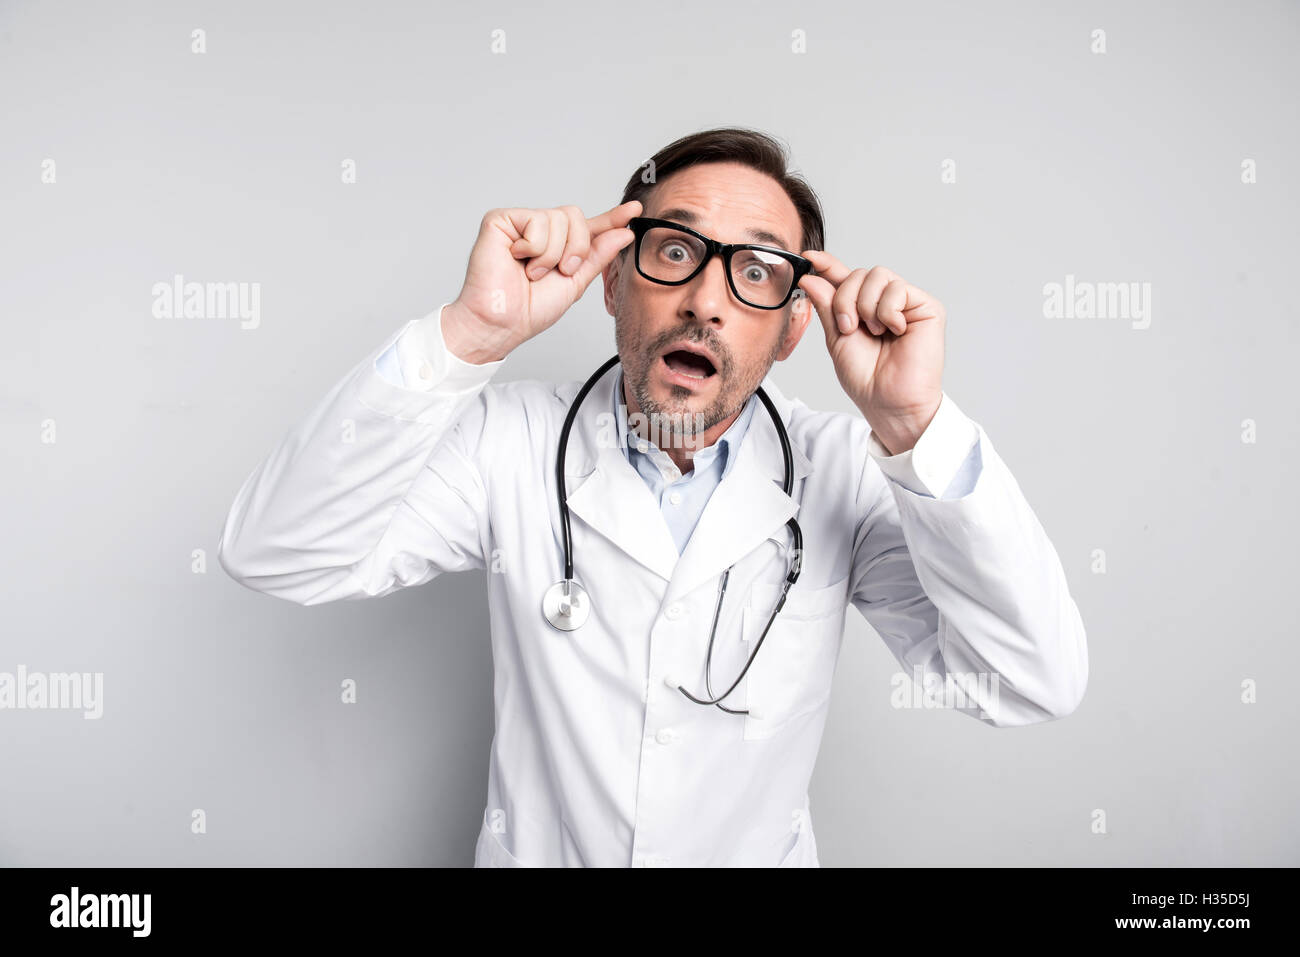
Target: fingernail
(572, 263)
(536, 272)
(845, 321)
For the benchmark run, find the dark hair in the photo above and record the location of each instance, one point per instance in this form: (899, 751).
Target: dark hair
(756, 150)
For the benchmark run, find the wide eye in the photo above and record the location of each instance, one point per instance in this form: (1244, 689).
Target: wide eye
(756, 267)
(676, 252)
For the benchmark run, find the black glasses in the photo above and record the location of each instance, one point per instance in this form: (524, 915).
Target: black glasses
(672, 254)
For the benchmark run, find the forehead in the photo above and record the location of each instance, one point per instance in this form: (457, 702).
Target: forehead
(730, 202)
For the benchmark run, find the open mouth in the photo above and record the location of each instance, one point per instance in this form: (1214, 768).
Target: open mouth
(689, 364)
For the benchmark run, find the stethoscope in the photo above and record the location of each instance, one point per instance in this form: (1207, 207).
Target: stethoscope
(567, 605)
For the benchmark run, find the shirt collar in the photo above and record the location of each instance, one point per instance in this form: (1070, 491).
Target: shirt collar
(726, 443)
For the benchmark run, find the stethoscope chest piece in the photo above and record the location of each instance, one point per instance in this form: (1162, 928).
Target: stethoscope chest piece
(566, 605)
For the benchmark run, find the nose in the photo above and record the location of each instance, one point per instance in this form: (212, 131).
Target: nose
(708, 298)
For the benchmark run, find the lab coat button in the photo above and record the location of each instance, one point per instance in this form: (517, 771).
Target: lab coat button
(673, 611)
(665, 736)
(426, 371)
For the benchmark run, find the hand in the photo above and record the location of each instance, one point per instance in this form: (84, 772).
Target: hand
(527, 267)
(885, 337)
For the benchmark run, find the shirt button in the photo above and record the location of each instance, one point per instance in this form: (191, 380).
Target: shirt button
(665, 736)
(675, 498)
(673, 611)
(643, 446)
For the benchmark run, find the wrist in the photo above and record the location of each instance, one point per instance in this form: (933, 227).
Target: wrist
(469, 338)
(899, 431)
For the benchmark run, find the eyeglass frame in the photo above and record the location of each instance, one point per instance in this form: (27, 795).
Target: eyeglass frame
(640, 225)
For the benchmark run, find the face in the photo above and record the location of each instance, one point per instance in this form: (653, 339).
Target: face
(731, 203)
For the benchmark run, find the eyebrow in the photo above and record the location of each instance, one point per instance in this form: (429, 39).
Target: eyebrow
(690, 219)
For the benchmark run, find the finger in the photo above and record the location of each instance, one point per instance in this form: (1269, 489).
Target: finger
(533, 226)
(827, 266)
(603, 250)
(878, 277)
(845, 302)
(577, 244)
(555, 238)
(889, 311)
(819, 294)
(615, 218)
(920, 304)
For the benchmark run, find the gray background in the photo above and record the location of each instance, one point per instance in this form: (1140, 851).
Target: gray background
(1122, 167)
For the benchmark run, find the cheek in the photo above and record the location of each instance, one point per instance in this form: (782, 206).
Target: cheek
(750, 357)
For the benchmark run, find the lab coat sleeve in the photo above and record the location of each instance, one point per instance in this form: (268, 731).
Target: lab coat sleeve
(944, 463)
(379, 487)
(967, 591)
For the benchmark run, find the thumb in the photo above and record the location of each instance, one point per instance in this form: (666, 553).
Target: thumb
(820, 293)
(602, 252)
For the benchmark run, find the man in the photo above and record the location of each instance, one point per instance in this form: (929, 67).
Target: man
(603, 754)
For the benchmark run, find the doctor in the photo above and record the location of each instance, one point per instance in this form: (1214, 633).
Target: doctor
(623, 737)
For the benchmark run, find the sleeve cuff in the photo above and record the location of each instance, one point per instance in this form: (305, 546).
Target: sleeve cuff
(929, 467)
(426, 362)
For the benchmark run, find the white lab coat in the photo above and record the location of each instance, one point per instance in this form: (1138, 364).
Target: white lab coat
(596, 760)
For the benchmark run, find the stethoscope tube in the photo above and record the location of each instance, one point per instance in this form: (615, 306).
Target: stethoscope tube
(565, 533)
(566, 605)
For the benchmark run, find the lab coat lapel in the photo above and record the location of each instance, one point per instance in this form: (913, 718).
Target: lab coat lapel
(748, 506)
(605, 491)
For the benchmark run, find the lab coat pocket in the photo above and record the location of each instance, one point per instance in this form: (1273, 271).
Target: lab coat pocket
(791, 676)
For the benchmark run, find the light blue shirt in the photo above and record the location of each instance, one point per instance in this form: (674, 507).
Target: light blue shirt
(681, 497)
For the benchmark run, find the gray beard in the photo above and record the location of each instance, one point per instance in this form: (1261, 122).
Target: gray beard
(679, 423)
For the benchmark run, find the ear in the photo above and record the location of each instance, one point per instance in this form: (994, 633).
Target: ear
(801, 311)
(609, 279)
